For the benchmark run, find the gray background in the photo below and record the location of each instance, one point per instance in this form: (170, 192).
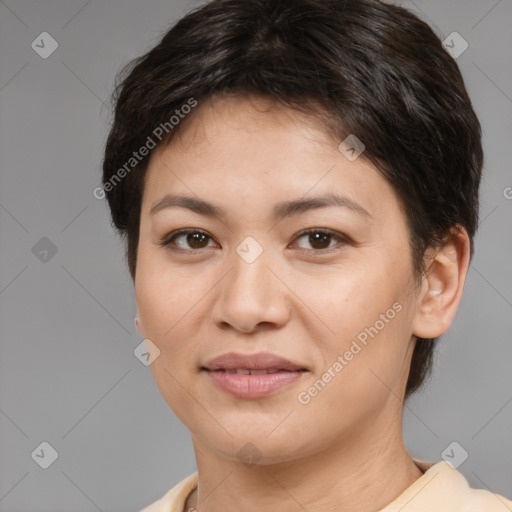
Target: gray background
(68, 373)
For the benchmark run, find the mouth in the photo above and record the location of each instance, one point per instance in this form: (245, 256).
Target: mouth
(246, 371)
(252, 375)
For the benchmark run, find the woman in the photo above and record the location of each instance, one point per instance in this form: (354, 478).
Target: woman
(297, 183)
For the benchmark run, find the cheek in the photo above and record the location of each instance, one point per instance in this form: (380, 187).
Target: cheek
(368, 311)
(167, 295)
(166, 310)
(171, 304)
(367, 364)
(353, 299)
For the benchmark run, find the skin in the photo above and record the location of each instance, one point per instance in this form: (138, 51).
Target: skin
(300, 299)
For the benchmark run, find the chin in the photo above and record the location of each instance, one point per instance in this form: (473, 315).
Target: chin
(262, 445)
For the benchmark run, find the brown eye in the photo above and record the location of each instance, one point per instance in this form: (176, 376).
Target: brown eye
(320, 239)
(196, 240)
(187, 240)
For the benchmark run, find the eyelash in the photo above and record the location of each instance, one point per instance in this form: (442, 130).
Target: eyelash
(168, 240)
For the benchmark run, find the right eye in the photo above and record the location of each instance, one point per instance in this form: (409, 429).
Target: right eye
(178, 240)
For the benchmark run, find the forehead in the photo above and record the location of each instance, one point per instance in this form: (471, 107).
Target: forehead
(259, 152)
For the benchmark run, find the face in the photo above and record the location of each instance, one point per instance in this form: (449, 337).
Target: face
(242, 275)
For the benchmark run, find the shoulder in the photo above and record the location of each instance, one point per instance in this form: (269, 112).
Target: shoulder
(174, 500)
(444, 489)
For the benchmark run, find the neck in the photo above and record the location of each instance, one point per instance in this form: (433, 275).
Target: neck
(364, 472)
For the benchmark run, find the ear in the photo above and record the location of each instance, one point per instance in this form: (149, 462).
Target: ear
(442, 285)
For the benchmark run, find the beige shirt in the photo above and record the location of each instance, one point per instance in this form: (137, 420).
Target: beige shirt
(440, 489)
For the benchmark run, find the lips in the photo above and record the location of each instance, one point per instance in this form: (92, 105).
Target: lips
(252, 363)
(252, 375)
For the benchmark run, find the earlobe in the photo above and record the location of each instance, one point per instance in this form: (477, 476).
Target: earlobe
(442, 286)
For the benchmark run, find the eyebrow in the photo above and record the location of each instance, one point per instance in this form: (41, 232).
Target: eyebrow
(281, 210)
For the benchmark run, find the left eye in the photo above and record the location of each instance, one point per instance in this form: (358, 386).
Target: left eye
(320, 238)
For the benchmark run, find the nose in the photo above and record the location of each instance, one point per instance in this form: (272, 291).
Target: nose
(251, 297)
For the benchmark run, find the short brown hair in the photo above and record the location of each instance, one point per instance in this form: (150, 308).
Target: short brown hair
(363, 67)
